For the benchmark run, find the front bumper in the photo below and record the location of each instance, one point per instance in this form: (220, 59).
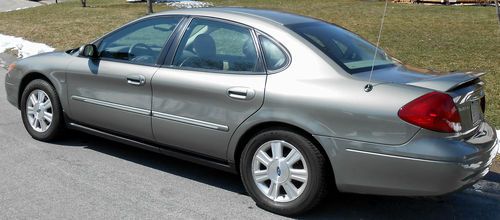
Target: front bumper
(425, 166)
(11, 91)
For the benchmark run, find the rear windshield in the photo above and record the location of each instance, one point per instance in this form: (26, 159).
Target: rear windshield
(349, 50)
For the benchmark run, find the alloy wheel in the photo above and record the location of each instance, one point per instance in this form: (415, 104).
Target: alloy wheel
(280, 171)
(39, 110)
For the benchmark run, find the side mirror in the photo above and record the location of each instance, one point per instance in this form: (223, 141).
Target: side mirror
(89, 50)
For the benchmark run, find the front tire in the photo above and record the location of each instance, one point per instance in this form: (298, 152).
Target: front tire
(284, 172)
(41, 110)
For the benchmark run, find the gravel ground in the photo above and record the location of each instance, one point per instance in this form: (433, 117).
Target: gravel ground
(84, 177)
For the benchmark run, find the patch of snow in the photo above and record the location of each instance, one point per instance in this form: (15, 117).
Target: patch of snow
(186, 3)
(17, 9)
(487, 186)
(23, 47)
(498, 141)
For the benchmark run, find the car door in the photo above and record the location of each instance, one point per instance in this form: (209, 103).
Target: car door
(113, 92)
(214, 81)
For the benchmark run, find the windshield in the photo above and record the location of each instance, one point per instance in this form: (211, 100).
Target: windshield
(349, 50)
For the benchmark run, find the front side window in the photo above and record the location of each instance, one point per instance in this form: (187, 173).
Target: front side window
(275, 57)
(350, 51)
(140, 42)
(219, 46)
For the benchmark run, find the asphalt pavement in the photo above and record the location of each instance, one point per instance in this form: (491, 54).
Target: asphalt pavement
(10, 5)
(85, 177)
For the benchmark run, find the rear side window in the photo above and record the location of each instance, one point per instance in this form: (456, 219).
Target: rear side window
(274, 56)
(350, 51)
(216, 45)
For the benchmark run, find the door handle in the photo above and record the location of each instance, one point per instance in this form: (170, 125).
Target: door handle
(241, 93)
(136, 80)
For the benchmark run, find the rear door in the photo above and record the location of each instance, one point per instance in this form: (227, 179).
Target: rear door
(113, 92)
(214, 81)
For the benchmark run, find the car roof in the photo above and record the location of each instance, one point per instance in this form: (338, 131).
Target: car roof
(283, 18)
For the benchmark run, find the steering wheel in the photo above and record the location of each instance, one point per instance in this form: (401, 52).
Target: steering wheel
(137, 45)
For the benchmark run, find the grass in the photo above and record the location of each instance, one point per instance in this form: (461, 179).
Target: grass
(436, 37)
(68, 25)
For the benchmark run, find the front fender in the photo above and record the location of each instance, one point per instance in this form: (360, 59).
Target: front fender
(51, 66)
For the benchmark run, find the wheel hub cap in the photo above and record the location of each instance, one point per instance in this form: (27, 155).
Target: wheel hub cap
(279, 171)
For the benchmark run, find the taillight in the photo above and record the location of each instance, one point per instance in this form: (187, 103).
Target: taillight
(434, 111)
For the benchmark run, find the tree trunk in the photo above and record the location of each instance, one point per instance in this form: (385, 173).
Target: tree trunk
(150, 6)
(84, 3)
(498, 11)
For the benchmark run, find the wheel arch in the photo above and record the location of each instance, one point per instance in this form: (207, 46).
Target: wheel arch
(34, 76)
(255, 129)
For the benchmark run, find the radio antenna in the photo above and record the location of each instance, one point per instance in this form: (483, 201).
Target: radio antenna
(369, 86)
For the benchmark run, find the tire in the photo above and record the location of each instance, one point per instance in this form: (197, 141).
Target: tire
(279, 172)
(39, 113)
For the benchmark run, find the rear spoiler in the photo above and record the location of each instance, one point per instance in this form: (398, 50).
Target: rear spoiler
(472, 81)
(480, 74)
(449, 82)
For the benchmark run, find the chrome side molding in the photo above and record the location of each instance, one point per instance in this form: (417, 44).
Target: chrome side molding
(191, 121)
(147, 112)
(113, 105)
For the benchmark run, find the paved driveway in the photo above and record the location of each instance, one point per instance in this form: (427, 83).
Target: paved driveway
(9, 5)
(84, 177)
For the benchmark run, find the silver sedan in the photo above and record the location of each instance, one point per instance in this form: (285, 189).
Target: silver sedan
(295, 105)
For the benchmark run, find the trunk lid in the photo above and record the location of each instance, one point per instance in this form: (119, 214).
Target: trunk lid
(466, 89)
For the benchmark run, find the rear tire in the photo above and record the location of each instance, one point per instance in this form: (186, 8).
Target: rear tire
(41, 110)
(295, 169)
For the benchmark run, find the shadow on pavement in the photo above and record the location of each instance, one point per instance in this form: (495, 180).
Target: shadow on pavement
(468, 204)
(206, 175)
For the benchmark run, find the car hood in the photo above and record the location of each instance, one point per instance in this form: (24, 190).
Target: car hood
(43, 59)
(45, 63)
(48, 54)
(420, 77)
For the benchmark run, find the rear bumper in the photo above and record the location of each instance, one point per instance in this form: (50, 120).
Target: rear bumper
(422, 167)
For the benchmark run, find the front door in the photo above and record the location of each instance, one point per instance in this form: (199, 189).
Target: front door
(113, 92)
(213, 84)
